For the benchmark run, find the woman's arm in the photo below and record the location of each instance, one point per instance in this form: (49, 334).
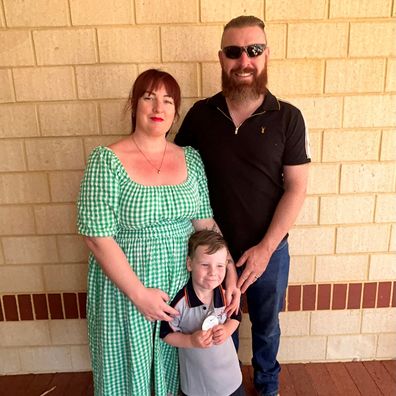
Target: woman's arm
(150, 302)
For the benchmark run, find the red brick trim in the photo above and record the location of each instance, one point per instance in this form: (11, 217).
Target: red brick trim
(308, 297)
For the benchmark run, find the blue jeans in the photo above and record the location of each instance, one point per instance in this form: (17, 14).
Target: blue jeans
(265, 299)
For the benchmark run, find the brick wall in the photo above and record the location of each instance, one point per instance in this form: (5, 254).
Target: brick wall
(66, 67)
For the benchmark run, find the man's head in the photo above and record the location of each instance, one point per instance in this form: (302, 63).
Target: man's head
(207, 259)
(243, 58)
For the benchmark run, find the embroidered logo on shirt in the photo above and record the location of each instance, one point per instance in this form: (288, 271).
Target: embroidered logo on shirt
(262, 129)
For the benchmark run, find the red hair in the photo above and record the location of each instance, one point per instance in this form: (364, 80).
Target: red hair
(149, 81)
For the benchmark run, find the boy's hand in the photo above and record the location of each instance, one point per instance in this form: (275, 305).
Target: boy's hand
(202, 339)
(220, 334)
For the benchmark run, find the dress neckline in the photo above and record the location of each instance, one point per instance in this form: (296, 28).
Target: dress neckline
(120, 164)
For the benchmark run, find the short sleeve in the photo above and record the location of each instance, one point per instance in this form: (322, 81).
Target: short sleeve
(204, 210)
(297, 142)
(97, 206)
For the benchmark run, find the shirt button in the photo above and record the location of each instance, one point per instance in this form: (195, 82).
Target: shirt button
(204, 308)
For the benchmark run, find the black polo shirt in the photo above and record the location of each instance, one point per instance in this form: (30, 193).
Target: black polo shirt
(244, 165)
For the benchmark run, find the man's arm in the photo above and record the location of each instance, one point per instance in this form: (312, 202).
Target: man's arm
(257, 257)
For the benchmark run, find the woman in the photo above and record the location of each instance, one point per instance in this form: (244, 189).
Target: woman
(140, 200)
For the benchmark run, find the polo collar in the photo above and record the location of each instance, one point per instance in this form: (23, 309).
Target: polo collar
(270, 103)
(194, 301)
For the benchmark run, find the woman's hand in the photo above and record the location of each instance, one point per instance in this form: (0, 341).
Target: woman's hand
(233, 299)
(152, 304)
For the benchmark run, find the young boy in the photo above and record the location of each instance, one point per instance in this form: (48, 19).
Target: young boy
(209, 364)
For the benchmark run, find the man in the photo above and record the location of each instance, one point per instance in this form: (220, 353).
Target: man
(254, 148)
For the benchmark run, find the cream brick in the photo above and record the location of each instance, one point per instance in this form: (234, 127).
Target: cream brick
(12, 155)
(186, 75)
(351, 347)
(359, 8)
(45, 359)
(44, 83)
(346, 209)
(386, 346)
(295, 77)
(297, 349)
(382, 267)
(6, 88)
(166, 11)
(344, 145)
(391, 75)
(370, 111)
(18, 121)
(341, 268)
(323, 178)
(9, 362)
(245, 351)
(276, 38)
(129, 45)
(101, 12)
(175, 40)
(30, 250)
(55, 219)
(298, 9)
(225, 10)
(294, 323)
(21, 279)
(372, 39)
(114, 118)
(61, 277)
(72, 249)
(2, 22)
(315, 145)
(385, 210)
(16, 220)
(80, 358)
(211, 79)
(317, 40)
(301, 269)
(27, 332)
(16, 48)
(2, 261)
(309, 212)
(362, 239)
(68, 332)
(23, 188)
(379, 320)
(68, 119)
(388, 146)
(91, 143)
(315, 240)
(360, 178)
(64, 186)
(320, 112)
(355, 75)
(245, 326)
(105, 81)
(58, 47)
(392, 244)
(51, 154)
(335, 322)
(31, 13)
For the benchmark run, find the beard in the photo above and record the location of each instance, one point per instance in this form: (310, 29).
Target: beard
(240, 91)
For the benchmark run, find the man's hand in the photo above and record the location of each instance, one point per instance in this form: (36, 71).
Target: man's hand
(202, 339)
(256, 260)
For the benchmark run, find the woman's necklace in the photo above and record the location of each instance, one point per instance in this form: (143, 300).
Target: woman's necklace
(145, 157)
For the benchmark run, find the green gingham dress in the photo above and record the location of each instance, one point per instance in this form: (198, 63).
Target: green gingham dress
(151, 224)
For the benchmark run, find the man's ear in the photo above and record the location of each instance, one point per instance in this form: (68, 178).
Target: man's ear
(189, 266)
(220, 55)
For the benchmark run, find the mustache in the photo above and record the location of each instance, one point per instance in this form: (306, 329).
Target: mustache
(243, 70)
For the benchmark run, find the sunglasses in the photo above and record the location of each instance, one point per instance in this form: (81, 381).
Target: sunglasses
(252, 50)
